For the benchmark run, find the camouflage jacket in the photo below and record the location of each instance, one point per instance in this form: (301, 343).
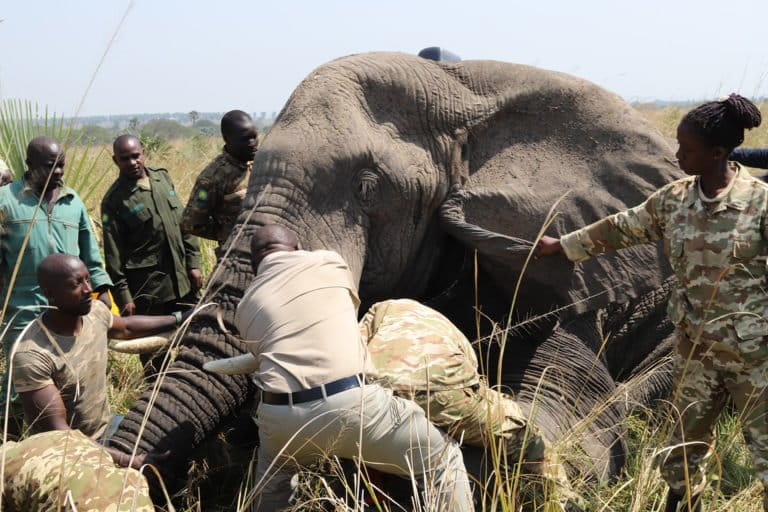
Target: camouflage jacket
(216, 197)
(64, 470)
(415, 348)
(717, 249)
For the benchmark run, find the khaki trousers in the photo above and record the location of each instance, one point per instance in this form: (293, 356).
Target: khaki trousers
(368, 424)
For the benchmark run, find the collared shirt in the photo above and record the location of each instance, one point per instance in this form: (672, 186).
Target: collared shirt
(216, 198)
(66, 229)
(145, 252)
(299, 318)
(716, 246)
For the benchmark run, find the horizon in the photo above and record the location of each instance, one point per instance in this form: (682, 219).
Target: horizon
(175, 56)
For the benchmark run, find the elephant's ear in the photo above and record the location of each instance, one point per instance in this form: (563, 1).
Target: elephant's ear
(481, 219)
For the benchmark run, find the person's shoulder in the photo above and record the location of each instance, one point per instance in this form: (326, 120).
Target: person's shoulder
(218, 163)
(113, 191)
(33, 339)
(100, 313)
(675, 190)
(11, 191)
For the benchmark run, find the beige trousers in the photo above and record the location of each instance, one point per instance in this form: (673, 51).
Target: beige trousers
(369, 424)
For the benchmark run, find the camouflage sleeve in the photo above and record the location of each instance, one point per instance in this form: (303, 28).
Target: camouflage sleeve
(197, 218)
(366, 325)
(32, 370)
(639, 225)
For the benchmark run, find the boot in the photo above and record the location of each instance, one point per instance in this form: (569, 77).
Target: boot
(677, 503)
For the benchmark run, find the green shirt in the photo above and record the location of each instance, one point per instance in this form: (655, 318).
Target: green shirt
(66, 229)
(145, 251)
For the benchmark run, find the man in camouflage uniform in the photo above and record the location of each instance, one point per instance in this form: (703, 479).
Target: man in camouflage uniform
(155, 268)
(421, 355)
(717, 249)
(217, 195)
(64, 470)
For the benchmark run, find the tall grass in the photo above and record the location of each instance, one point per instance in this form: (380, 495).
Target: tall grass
(638, 488)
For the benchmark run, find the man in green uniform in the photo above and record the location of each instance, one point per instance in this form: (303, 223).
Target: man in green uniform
(64, 470)
(40, 216)
(215, 200)
(154, 266)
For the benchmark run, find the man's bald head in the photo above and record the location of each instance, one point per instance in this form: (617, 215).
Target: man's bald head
(233, 121)
(56, 268)
(66, 283)
(42, 147)
(125, 141)
(45, 161)
(129, 157)
(271, 238)
(240, 136)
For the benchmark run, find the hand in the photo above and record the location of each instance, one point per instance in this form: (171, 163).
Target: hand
(129, 309)
(104, 297)
(196, 278)
(152, 458)
(547, 246)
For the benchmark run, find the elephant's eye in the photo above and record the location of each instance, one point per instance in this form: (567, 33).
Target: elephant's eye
(367, 181)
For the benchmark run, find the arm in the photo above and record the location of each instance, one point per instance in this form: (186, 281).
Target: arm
(639, 225)
(44, 409)
(197, 219)
(89, 253)
(751, 157)
(113, 256)
(137, 326)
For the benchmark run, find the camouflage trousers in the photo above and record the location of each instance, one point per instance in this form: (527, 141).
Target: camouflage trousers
(64, 470)
(707, 373)
(480, 416)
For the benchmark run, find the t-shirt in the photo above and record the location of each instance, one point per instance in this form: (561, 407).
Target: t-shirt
(299, 318)
(77, 367)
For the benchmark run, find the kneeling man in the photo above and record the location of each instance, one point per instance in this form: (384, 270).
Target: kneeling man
(60, 362)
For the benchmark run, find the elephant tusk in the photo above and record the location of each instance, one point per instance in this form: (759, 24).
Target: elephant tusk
(238, 365)
(141, 345)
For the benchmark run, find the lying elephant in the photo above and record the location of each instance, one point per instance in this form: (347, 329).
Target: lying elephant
(414, 170)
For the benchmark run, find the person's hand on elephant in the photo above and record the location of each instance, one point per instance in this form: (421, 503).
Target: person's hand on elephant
(548, 246)
(128, 310)
(195, 278)
(153, 458)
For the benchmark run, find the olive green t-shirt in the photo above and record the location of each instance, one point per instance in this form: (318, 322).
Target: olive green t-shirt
(77, 367)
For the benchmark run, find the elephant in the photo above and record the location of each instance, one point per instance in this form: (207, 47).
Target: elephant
(432, 180)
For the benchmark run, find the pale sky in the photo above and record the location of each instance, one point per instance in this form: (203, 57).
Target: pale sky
(182, 55)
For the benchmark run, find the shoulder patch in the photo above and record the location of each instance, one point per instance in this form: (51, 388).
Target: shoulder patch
(202, 194)
(137, 208)
(104, 218)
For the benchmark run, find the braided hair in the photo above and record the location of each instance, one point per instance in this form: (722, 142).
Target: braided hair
(722, 122)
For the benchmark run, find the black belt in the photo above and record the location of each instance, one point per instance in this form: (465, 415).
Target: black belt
(316, 393)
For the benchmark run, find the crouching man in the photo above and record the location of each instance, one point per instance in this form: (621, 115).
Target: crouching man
(59, 365)
(299, 318)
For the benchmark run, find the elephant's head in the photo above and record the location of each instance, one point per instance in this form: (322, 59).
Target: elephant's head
(364, 154)
(362, 160)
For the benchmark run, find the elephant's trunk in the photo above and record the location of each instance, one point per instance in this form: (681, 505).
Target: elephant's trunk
(190, 403)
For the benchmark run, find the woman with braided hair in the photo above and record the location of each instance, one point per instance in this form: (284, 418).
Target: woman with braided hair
(714, 227)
